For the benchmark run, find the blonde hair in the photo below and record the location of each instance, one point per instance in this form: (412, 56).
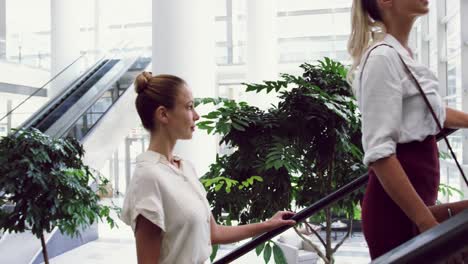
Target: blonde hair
(364, 32)
(155, 91)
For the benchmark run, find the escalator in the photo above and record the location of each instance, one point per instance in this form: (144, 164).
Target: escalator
(89, 108)
(46, 118)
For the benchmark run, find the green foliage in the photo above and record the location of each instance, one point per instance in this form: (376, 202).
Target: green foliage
(220, 181)
(278, 255)
(448, 191)
(444, 155)
(214, 251)
(302, 149)
(47, 184)
(259, 249)
(267, 253)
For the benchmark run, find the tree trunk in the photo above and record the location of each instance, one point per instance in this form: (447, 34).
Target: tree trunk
(44, 249)
(331, 175)
(328, 250)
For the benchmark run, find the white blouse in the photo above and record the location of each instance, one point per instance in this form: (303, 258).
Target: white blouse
(175, 200)
(393, 110)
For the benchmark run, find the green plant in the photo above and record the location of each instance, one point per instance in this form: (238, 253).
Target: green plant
(448, 191)
(47, 184)
(295, 153)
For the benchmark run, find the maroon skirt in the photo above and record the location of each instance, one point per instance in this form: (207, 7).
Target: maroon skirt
(385, 225)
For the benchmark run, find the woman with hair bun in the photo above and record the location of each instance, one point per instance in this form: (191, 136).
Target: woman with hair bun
(398, 124)
(165, 203)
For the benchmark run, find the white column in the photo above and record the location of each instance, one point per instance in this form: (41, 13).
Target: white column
(98, 27)
(464, 79)
(9, 121)
(262, 47)
(183, 45)
(442, 72)
(101, 30)
(65, 40)
(442, 47)
(2, 29)
(115, 172)
(425, 40)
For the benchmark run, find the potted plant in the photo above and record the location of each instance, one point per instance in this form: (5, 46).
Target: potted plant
(46, 184)
(294, 153)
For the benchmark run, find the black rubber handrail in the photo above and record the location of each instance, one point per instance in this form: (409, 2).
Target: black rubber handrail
(57, 110)
(44, 110)
(432, 246)
(77, 87)
(316, 207)
(141, 60)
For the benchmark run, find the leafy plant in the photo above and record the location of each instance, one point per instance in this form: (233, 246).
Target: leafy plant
(302, 149)
(46, 183)
(448, 191)
(269, 248)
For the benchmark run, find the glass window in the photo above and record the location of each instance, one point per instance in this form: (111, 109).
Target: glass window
(239, 53)
(310, 25)
(456, 141)
(289, 5)
(433, 47)
(443, 180)
(453, 36)
(452, 6)
(221, 55)
(415, 40)
(303, 37)
(220, 8)
(301, 50)
(221, 31)
(227, 52)
(454, 181)
(239, 7)
(454, 82)
(28, 32)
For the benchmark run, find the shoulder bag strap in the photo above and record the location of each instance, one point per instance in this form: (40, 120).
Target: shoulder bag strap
(418, 85)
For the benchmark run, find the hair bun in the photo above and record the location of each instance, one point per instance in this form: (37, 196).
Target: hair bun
(141, 82)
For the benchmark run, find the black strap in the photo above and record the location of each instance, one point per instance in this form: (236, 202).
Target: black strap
(418, 85)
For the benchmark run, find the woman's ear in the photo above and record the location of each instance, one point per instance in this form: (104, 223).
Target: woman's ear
(161, 115)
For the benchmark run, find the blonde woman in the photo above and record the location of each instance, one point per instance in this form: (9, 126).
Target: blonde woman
(398, 128)
(165, 204)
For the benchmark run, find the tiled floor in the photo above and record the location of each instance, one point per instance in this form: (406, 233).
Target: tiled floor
(353, 251)
(117, 246)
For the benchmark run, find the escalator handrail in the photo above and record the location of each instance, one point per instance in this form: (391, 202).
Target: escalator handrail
(83, 88)
(432, 246)
(94, 125)
(73, 121)
(43, 86)
(65, 93)
(100, 63)
(319, 205)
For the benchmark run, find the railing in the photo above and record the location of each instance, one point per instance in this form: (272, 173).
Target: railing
(307, 212)
(23, 109)
(26, 49)
(58, 87)
(88, 120)
(432, 246)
